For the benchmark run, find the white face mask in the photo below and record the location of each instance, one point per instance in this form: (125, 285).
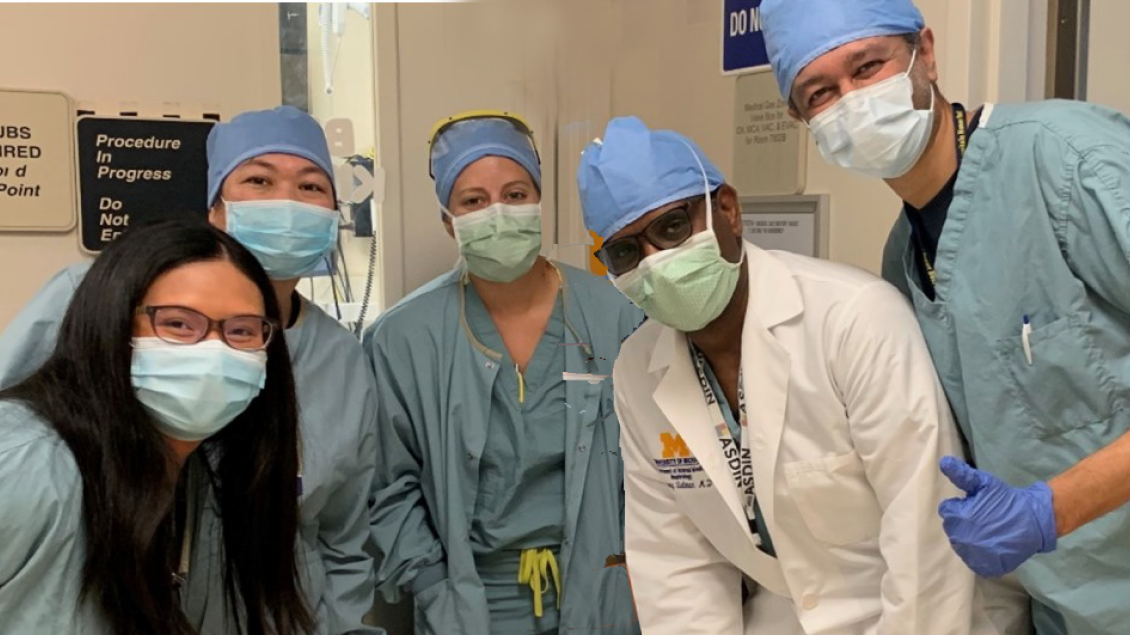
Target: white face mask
(876, 130)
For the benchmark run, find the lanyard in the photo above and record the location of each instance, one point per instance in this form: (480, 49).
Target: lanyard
(180, 576)
(738, 456)
(961, 141)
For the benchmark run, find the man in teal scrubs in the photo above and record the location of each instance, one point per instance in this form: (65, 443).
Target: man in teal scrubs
(1014, 246)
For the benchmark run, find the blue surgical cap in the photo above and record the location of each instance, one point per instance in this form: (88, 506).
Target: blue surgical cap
(284, 130)
(635, 170)
(469, 140)
(799, 31)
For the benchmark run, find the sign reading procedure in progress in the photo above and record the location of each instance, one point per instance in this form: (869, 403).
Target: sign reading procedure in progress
(137, 171)
(743, 44)
(37, 183)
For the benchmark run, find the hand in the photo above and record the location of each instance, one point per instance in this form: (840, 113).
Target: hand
(996, 527)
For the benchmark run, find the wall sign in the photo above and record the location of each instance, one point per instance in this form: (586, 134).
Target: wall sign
(743, 44)
(770, 147)
(37, 182)
(798, 224)
(135, 171)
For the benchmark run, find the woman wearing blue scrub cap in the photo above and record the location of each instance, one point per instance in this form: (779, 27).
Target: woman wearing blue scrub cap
(269, 186)
(500, 485)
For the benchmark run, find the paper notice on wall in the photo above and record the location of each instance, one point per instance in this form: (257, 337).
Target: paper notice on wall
(785, 232)
(37, 182)
(770, 147)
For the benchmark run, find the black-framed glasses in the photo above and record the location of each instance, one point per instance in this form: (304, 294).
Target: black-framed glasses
(673, 228)
(182, 325)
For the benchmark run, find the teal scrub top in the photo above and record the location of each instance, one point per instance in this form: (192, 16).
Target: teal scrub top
(1039, 226)
(522, 469)
(42, 537)
(435, 388)
(520, 504)
(42, 549)
(337, 419)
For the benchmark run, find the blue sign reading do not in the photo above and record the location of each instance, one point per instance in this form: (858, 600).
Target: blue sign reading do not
(743, 44)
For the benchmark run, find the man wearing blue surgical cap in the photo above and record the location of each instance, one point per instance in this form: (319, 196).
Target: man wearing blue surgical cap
(499, 490)
(812, 511)
(1014, 245)
(269, 186)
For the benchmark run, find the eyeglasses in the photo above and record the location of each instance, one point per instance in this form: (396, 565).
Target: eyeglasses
(473, 118)
(182, 325)
(670, 230)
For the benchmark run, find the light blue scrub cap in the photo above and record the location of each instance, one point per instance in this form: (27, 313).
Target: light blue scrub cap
(285, 130)
(469, 140)
(799, 31)
(635, 170)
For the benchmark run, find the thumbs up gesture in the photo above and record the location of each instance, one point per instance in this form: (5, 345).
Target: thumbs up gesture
(996, 527)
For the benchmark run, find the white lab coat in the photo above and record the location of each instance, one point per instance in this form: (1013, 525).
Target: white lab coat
(847, 424)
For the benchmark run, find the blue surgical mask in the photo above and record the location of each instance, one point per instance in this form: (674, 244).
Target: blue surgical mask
(288, 238)
(194, 390)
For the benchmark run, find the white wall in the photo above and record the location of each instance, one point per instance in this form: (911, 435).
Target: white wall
(435, 60)
(216, 56)
(1108, 54)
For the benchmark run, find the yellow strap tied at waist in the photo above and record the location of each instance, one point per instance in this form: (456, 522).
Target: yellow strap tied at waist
(534, 570)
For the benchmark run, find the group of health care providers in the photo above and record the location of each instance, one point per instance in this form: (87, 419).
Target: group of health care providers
(1013, 251)
(533, 475)
(781, 422)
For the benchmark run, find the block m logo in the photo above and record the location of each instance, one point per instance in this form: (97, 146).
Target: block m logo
(674, 446)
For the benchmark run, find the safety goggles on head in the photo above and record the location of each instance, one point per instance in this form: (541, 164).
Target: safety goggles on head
(182, 325)
(671, 229)
(471, 122)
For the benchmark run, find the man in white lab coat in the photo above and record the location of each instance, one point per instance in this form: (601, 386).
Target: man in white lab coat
(813, 510)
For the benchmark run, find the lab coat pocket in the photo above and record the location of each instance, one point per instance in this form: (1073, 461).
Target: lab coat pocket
(1067, 385)
(835, 499)
(435, 610)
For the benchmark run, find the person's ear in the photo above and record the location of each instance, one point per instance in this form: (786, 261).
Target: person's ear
(928, 54)
(218, 215)
(730, 207)
(447, 226)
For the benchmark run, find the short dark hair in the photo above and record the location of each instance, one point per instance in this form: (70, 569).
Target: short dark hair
(84, 392)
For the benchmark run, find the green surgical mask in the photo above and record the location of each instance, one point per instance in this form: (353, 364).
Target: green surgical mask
(501, 242)
(687, 287)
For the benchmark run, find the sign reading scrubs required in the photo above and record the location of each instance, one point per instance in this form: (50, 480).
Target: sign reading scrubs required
(37, 184)
(743, 44)
(136, 171)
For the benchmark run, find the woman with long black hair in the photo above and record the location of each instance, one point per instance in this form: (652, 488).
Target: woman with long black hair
(168, 401)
